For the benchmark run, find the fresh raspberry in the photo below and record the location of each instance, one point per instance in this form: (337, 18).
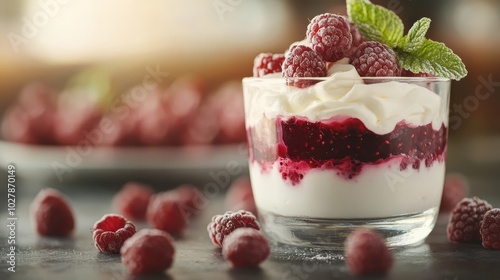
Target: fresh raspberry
(374, 59)
(31, 119)
(357, 38)
(245, 247)
(222, 225)
(366, 253)
(74, 119)
(192, 198)
(465, 220)
(455, 189)
(52, 214)
(132, 200)
(166, 211)
(148, 251)
(240, 196)
(267, 63)
(111, 231)
(302, 61)
(228, 106)
(330, 36)
(490, 229)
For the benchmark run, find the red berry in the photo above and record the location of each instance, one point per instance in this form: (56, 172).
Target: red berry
(31, 119)
(240, 196)
(366, 253)
(357, 38)
(183, 101)
(374, 59)
(111, 231)
(330, 36)
(148, 251)
(132, 200)
(302, 61)
(455, 189)
(230, 111)
(52, 214)
(222, 225)
(18, 127)
(203, 128)
(192, 199)
(490, 229)
(245, 247)
(267, 63)
(465, 220)
(156, 121)
(185, 97)
(167, 212)
(74, 120)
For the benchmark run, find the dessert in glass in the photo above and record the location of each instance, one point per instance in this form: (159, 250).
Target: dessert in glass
(347, 152)
(344, 140)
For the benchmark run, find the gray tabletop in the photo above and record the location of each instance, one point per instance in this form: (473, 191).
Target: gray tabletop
(197, 258)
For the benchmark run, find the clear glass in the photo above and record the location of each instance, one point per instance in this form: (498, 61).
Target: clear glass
(328, 156)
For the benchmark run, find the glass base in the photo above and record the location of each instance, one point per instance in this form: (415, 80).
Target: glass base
(330, 234)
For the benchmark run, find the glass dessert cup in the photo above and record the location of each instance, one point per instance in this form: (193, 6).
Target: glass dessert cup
(330, 155)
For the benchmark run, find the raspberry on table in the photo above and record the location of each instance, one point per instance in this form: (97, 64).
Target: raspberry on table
(132, 200)
(465, 219)
(222, 225)
(366, 253)
(330, 36)
(192, 199)
(167, 212)
(52, 214)
(245, 247)
(240, 196)
(374, 59)
(454, 190)
(302, 62)
(111, 231)
(490, 229)
(267, 63)
(148, 251)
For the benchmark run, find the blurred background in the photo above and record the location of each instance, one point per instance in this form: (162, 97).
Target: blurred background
(205, 48)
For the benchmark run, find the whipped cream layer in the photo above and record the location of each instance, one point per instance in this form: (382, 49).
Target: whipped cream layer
(380, 106)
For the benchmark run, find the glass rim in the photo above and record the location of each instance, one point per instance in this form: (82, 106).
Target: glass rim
(319, 79)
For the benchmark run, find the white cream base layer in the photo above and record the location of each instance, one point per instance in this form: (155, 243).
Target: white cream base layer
(377, 192)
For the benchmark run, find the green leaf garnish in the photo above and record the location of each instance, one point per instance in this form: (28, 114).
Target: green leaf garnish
(434, 58)
(416, 35)
(376, 23)
(414, 52)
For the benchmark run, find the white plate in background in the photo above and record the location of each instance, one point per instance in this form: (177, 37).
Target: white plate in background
(59, 161)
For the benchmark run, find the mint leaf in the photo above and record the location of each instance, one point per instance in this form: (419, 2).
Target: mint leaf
(376, 23)
(434, 58)
(416, 35)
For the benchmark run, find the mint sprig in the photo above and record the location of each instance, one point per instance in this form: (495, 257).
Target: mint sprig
(414, 52)
(432, 57)
(416, 35)
(376, 23)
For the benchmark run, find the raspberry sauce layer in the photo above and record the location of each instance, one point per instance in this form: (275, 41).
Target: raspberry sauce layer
(345, 146)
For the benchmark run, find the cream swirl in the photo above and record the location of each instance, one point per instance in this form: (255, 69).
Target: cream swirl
(380, 106)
